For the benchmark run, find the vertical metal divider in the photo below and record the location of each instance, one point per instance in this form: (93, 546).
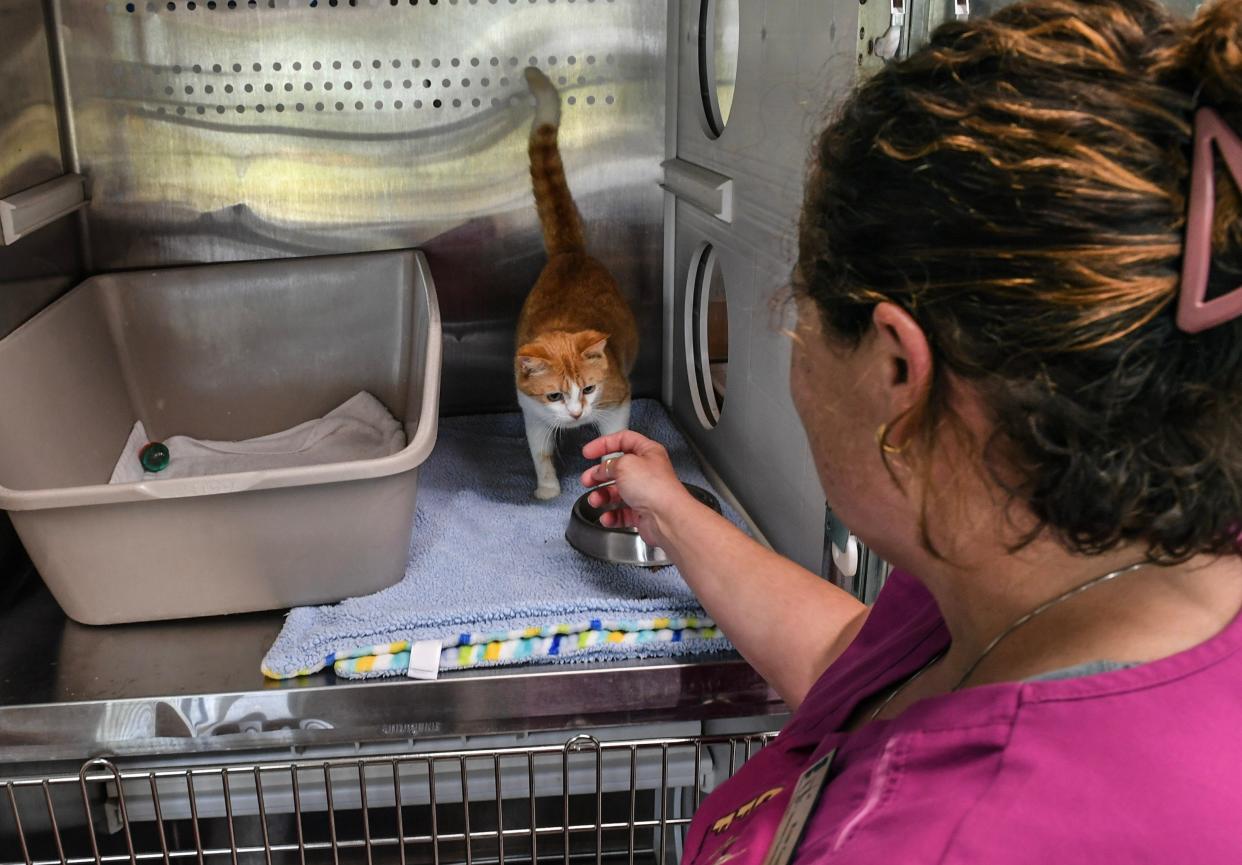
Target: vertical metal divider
(258, 792)
(465, 810)
(17, 822)
(366, 816)
(159, 815)
(599, 805)
(109, 767)
(296, 787)
(396, 800)
(633, 798)
(192, 798)
(663, 860)
(534, 818)
(66, 125)
(327, 789)
(575, 745)
(500, 813)
(124, 811)
(90, 819)
(435, 819)
(228, 814)
(698, 775)
(565, 801)
(51, 816)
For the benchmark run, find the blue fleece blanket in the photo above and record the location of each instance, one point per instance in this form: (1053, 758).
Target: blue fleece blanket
(491, 578)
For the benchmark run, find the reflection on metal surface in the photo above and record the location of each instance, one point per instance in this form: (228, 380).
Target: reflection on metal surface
(219, 130)
(38, 269)
(29, 145)
(719, 32)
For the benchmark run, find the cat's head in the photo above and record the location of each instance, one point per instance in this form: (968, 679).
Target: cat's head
(563, 373)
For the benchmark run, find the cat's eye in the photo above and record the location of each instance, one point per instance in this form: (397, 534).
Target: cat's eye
(554, 397)
(589, 389)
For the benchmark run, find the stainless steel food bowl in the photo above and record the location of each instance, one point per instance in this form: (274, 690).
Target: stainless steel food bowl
(620, 546)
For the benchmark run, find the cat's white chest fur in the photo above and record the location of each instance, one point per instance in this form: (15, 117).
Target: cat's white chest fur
(544, 419)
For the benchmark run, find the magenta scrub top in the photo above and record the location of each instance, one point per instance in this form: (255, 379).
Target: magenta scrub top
(1138, 765)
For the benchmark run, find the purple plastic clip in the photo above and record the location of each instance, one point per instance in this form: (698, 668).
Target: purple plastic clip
(1194, 311)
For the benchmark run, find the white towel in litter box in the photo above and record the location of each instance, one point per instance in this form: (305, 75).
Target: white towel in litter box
(359, 429)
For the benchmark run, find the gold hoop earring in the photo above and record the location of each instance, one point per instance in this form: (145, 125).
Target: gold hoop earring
(881, 438)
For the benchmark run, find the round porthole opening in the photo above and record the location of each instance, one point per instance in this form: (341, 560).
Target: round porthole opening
(719, 34)
(707, 336)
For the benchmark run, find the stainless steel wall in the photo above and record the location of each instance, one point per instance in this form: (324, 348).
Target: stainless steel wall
(216, 130)
(39, 267)
(795, 57)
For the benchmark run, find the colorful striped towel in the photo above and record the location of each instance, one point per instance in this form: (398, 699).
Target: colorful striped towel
(560, 642)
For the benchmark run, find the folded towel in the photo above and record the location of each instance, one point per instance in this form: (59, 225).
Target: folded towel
(359, 429)
(489, 564)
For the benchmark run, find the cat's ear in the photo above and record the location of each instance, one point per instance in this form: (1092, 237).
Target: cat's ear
(532, 359)
(591, 343)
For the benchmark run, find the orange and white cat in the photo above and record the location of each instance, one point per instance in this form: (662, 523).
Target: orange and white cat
(577, 338)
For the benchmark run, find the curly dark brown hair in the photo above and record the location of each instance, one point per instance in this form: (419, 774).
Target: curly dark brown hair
(1019, 186)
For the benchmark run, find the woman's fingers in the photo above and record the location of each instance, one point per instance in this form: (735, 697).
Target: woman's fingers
(608, 497)
(620, 518)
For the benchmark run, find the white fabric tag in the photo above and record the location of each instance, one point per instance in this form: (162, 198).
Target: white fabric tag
(805, 795)
(424, 660)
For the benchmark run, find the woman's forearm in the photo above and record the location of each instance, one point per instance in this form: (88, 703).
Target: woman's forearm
(788, 623)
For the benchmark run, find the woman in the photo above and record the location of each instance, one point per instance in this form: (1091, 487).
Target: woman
(1012, 394)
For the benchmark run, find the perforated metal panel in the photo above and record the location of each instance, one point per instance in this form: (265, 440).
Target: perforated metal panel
(220, 130)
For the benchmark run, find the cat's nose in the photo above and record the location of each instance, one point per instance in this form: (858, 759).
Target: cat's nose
(575, 413)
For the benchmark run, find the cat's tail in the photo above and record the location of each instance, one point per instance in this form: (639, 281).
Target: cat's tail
(562, 226)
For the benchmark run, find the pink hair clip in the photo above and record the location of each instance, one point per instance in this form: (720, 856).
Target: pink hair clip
(1194, 311)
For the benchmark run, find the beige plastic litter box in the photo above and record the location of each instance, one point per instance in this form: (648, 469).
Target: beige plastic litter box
(225, 352)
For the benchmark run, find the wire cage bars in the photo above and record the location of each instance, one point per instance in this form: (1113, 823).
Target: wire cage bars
(620, 801)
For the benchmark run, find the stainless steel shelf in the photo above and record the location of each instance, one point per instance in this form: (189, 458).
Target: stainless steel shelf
(69, 692)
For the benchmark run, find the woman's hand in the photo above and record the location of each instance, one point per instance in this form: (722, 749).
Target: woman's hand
(749, 590)
(645, 493)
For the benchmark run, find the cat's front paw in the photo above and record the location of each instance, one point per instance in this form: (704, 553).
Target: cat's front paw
(544, 493)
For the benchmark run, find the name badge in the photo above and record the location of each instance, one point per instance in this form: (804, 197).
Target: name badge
(805, 795)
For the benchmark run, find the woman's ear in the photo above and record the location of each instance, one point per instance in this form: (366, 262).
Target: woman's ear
(904, 357)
